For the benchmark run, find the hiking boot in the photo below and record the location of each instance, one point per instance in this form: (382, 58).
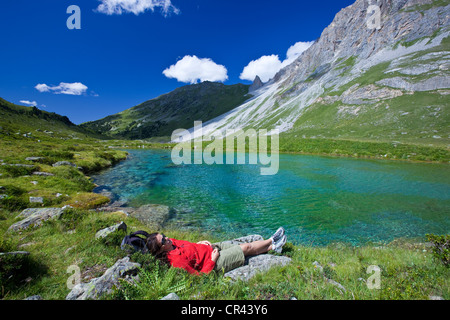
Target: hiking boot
(278, 246)
(277, 235)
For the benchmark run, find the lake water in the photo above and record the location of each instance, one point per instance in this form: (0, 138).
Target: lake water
(317, 199)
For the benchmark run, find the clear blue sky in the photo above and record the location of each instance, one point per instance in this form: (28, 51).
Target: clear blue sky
(120, 58)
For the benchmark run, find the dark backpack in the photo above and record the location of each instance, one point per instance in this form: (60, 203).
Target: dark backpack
(135, 241)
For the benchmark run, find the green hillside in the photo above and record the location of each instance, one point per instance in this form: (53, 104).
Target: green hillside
(159, 117)
(17, 122)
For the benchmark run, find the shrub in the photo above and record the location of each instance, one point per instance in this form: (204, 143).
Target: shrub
(60, 155)
(74, 175)
(156, 281)
(441, 247)
(12, 200)
(12, 203)
(15, 269)
(17, 171)
(88, 201)
(71, 218)
(114, 239)
(105, 155)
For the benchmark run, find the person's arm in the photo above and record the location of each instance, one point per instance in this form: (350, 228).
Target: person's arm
(183, 263)
(205, 242)
(210, 264)
(179, 243)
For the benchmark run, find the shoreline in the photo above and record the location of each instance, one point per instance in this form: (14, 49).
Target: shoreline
(365, 157)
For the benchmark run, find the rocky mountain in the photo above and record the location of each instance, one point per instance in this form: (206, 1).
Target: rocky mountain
(257, 83)
(159, 117)
(379, 72)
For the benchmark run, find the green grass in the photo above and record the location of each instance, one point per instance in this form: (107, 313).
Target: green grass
(408, 270)
(412, 124)
(349, 62)
(362, 149)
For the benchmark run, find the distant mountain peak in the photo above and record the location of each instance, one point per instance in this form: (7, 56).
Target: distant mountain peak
(257, 83)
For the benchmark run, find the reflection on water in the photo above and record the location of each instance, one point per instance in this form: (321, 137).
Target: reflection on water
(317, 199)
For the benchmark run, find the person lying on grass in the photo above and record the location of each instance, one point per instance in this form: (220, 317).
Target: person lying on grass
(204, 257)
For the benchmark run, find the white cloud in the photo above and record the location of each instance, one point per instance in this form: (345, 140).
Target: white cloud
(30, 103)
(191, 69)
(111, 7)
(41, 87)
(295, 51)
(267, 66)
(76, 88)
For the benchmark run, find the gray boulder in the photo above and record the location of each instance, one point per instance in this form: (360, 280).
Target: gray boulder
(98, 287)
(246, 239)
(153, 215)
(36, 200)
(34, 158)
(255, 264)
(35, 297)
(19, 165)
(171, 296)
(64, 163)
(35, 217)
(45, 174)
(15, 253)
(104, 232)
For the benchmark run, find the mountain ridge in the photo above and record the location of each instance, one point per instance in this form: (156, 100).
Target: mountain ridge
(158, 117)
(17, 121)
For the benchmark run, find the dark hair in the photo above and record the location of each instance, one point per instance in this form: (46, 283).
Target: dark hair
(154, 247)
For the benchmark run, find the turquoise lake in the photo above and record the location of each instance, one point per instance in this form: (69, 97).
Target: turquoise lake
(317, 200)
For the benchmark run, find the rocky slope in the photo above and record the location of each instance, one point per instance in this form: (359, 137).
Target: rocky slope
(358, 82)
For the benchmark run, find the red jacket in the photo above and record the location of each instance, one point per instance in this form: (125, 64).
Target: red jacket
(192, 257)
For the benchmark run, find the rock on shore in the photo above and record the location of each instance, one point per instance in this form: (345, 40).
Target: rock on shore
(35, 216)
(153, 216)
(104, 284)
(255, 264)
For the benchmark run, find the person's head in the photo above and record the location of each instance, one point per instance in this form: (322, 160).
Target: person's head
(158, 243)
